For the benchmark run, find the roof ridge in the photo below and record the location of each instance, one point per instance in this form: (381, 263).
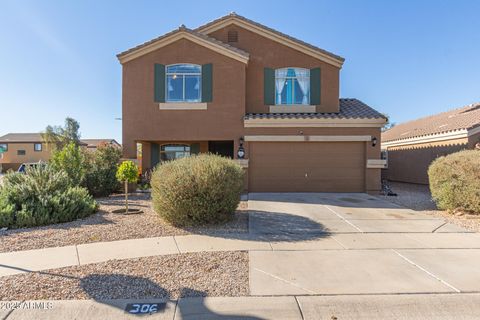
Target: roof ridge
(235, 15)
(436, 114)
(183, 28)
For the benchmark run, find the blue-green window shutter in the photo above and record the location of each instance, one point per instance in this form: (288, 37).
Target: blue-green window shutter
(159, 83)
(315, 86)
(269, 86)
(154, 154)
(195, 148)
(207, 82)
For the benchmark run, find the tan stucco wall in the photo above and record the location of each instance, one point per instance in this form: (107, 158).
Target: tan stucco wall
(473, 139)
(266, 53)
(410, 163)
(10, 159)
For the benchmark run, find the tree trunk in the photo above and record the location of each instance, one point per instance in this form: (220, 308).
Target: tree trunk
(126, 196)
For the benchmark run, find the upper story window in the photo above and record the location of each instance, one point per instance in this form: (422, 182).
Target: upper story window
(21, 152)
(3, 147)
(37, 147)
(183, 83)
(292, 86)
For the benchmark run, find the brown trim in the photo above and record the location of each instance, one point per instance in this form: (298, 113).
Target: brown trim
(300, 138)
(298, 123)
(181, 34)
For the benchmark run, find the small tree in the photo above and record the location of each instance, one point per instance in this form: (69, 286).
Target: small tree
(127, 172)
(70, 159)
(59, 136)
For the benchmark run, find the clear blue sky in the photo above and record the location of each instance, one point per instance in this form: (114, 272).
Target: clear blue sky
(405, 58)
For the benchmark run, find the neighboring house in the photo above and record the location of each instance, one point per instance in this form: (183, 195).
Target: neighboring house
(411, 146)
(92, 144)
(234, 87)
(21, 148)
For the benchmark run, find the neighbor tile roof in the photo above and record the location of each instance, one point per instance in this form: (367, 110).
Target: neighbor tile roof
(234, 15)
(467, 117)
(349, 109)
(93, 143)
(21, 137)
(192, 32)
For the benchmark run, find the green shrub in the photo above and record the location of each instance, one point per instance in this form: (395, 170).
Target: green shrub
(455, 181)
(7, 212)
(100, 179)
(42, 196)
(199, 189)
(70, 159)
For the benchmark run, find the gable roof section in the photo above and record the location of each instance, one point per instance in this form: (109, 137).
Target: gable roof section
(462, 119)
(183, 33)
(272, 34)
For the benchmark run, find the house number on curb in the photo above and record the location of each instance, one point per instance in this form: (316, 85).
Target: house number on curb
(144, 308)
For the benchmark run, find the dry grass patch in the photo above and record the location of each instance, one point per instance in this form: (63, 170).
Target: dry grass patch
(170, 277)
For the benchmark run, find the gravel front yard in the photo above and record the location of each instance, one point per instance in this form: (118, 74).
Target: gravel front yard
(107, 226)
(172, 276)
(418, 198)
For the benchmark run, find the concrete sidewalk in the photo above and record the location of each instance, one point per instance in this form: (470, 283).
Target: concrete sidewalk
(371, 307)
(52, 258)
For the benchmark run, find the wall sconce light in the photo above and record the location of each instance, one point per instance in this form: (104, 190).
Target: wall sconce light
(374, 141)
(241, 150)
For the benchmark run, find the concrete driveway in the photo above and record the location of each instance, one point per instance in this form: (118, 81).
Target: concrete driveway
(356, 244)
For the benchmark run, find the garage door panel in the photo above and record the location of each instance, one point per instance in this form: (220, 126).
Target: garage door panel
(307, 167)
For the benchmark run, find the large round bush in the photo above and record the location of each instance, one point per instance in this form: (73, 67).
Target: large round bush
(42, 196)
(455, 181)
(201, 189)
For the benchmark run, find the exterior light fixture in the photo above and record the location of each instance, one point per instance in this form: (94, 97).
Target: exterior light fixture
(374, 141)
(241, 150)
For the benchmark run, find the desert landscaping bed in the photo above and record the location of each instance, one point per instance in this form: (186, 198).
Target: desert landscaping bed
(107, 226)
(417, 197)
(169, 277)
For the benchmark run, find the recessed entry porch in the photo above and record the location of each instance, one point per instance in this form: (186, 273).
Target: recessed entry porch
(151, 153)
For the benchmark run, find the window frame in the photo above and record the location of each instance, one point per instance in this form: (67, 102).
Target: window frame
(6, 146)
(185, 145)
(285, 78)
(35, 147)
(199, 100)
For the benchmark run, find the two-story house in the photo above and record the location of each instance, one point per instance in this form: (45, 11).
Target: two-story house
(243, 90)
(18, 148)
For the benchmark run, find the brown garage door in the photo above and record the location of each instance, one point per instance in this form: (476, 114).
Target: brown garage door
(307, 167)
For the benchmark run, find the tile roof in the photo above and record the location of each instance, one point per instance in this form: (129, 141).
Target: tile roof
(93, 143)
(466, 117)
(349, 109)
(182, 28)
(237, 16)
(21, 137)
